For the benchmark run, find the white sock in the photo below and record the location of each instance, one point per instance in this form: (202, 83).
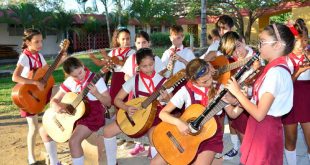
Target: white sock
(290, 157)
(234, 140)
(110, 150)
(51, 149)
(78, 161)
(153, 152)
(31, 137)
(309, 156)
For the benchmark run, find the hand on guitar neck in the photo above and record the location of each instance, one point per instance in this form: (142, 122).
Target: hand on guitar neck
(107, 60)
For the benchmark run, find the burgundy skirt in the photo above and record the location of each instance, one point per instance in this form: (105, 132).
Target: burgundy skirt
(215, 143)
(24, 114)
(157, 120)
(263, 142)
(94, 118)
(116, 84)
(240, 122)
(300, 112)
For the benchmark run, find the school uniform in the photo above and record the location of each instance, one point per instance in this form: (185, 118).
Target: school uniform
(31, 62)
(183, 52)
(186, 96)
(94, 117)
(118, 75)
(263, 141)
(213, 47)
(143, 86)
(300, 112)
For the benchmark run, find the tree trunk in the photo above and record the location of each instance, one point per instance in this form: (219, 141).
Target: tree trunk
(105, 3)
(203, 35)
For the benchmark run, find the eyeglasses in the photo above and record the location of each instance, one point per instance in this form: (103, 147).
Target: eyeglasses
(261, 43)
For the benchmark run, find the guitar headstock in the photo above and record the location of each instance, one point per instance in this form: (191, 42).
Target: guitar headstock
(176, 79)
(64, 45)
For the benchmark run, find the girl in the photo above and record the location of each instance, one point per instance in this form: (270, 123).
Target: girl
(121, 43)
(142, 84)
(272, 98)
(232, 45)
(214, 37)
(30, 59)
(198, 90)
(142, 40)
(300, 111)
(98, 97)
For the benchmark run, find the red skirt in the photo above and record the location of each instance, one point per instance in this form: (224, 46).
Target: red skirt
(300, 112)
(94, 119)
(215, 143)
(157, 120)
(116, 84)
(263, 142)
(240, 122)
(24, 114)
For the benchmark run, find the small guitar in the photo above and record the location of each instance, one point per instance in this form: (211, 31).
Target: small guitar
(179, 149)
(27, 96)
(59, 126)
(142, 120)
(223, 67)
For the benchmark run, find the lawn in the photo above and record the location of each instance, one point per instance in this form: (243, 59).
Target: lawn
(6, 84)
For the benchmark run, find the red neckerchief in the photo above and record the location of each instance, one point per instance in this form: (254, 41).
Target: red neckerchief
(300, 60)
(173, 50)
(80, 83)
(258, 83)
(35, 57)
(204, 95)
(119, 53)
(134, 64)
(151, 85)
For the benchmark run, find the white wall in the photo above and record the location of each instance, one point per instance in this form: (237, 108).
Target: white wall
(50, 47)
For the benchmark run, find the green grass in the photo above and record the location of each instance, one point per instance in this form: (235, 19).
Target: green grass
(6, 84)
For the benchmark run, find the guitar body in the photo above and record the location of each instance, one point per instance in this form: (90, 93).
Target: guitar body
(142, 120)
(221, 61)
(59, 126)
(179, 149)
(28, 97)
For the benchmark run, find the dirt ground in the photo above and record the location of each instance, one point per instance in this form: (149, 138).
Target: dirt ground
(13, 147)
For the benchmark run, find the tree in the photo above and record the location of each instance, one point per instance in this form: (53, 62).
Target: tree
(105, 3)
(152, 12)
(203, 41)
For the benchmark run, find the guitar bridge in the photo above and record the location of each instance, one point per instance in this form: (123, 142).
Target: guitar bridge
(175, 142)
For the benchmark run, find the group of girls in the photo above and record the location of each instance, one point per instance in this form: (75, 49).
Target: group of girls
(256, 116)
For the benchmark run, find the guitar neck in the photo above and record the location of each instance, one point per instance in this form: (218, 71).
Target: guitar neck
(218, 107)
(151, 98)
(233, 65)
(85, 91)
(52, 67)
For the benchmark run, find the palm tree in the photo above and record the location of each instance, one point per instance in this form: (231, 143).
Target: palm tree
(203, 35)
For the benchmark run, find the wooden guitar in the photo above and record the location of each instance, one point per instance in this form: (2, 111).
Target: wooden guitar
(27, 96)
(59, 126)
(142, 120)
(221, 63)
(179, 149)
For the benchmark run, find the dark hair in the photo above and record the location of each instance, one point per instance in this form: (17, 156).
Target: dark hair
(225, 19)
(144, 35)
(228, 43)
(143, 53)
(116, 33)
(28, 35)
(214, 32)
(301, 27)
(285, 34)
(71, 64)
(175, 29)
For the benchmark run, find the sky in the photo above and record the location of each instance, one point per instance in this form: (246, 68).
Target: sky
(73, 5)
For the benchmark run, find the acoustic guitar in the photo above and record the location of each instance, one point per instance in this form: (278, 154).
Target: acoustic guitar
(142, 120)
(59, 126)
(27, 96)
(221, 63)
(179, 149)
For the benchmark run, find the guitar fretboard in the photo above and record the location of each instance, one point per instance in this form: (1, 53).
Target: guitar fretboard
(233, 66)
